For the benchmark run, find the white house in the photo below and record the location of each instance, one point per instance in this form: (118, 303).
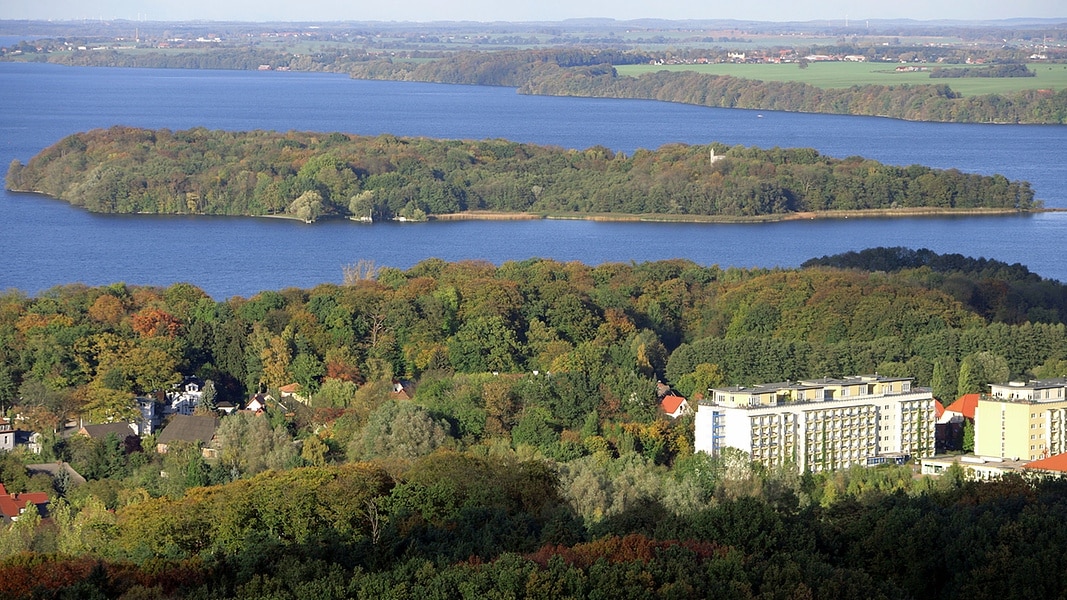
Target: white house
(184, 401)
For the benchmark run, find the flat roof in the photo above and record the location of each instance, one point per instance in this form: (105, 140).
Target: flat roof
(1033, 384)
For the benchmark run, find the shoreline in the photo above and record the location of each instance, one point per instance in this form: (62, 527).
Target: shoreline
(886, 213)
(478, 215)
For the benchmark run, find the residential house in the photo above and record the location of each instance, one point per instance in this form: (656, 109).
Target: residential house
(13, 505)
(184, 400)
(191, 429)
(7, 435)
(102, 430)
(226, 407)
(964, 406)
(952, 422)
(820, 424)
(674, 406)
(403, 389)
(53, 470)
(294, 391)
(148, 421)
(32, 440)
(258, 403)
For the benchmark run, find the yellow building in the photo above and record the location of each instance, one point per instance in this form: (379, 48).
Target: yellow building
(1019, 420)
(820, 424)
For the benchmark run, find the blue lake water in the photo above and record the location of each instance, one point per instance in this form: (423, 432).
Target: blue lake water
(44, 243)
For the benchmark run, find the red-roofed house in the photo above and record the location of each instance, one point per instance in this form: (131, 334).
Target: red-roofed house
(965, 405)
(13, 505)
(674, 406)
(951, 422)
(939, 409)
(294, 391)
(258, 403)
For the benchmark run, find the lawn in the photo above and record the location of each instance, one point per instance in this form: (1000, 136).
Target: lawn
(847, 74)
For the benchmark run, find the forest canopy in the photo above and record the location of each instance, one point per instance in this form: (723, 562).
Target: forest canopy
(311, 175)
(530, 458)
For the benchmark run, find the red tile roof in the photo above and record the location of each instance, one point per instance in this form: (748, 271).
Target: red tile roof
(965, 405)
(671, 404)
(1056, 462)
(11, 505)
(939, 409)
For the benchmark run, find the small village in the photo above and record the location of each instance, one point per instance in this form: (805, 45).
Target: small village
(816, 425)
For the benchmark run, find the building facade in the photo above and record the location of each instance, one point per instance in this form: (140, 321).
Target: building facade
(7, 435)
(820, 424)
(1022, 420)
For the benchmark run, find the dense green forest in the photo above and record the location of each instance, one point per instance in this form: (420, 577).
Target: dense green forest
(589, 72)
(935, 102)
(308, 175)
(532, 459)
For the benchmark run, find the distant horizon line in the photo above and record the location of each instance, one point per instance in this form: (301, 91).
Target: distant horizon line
(848, 21)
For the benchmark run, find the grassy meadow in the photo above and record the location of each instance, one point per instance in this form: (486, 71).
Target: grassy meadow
(846, 74)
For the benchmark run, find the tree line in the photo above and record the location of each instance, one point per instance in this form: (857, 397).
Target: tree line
(935, 102)
(309, 175)
(585, 72)
(1003, 70)
(534, 74)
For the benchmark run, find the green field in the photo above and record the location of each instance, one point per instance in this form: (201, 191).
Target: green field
(847, 74)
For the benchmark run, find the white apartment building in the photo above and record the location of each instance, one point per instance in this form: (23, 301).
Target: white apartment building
(820, 424)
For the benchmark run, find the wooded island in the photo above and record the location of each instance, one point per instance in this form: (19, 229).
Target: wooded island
(311, 175)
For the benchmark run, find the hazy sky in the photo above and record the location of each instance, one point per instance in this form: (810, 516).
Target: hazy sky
(525, 10)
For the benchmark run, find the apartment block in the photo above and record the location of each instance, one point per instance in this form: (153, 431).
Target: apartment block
(1022, 420)
(820, 424)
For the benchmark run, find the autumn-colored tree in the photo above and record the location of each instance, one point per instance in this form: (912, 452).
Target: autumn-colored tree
(502, 406)
(107, 309)
(276, 358)
(151, 322)
(342, 364)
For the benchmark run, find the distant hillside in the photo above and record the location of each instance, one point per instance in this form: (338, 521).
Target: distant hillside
(996, 290)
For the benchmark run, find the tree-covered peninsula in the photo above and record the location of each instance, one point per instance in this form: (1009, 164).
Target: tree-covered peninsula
(577, 70)
(589, 74)
(312, 175)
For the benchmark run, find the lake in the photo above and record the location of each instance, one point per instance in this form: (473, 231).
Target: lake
(47, 243)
